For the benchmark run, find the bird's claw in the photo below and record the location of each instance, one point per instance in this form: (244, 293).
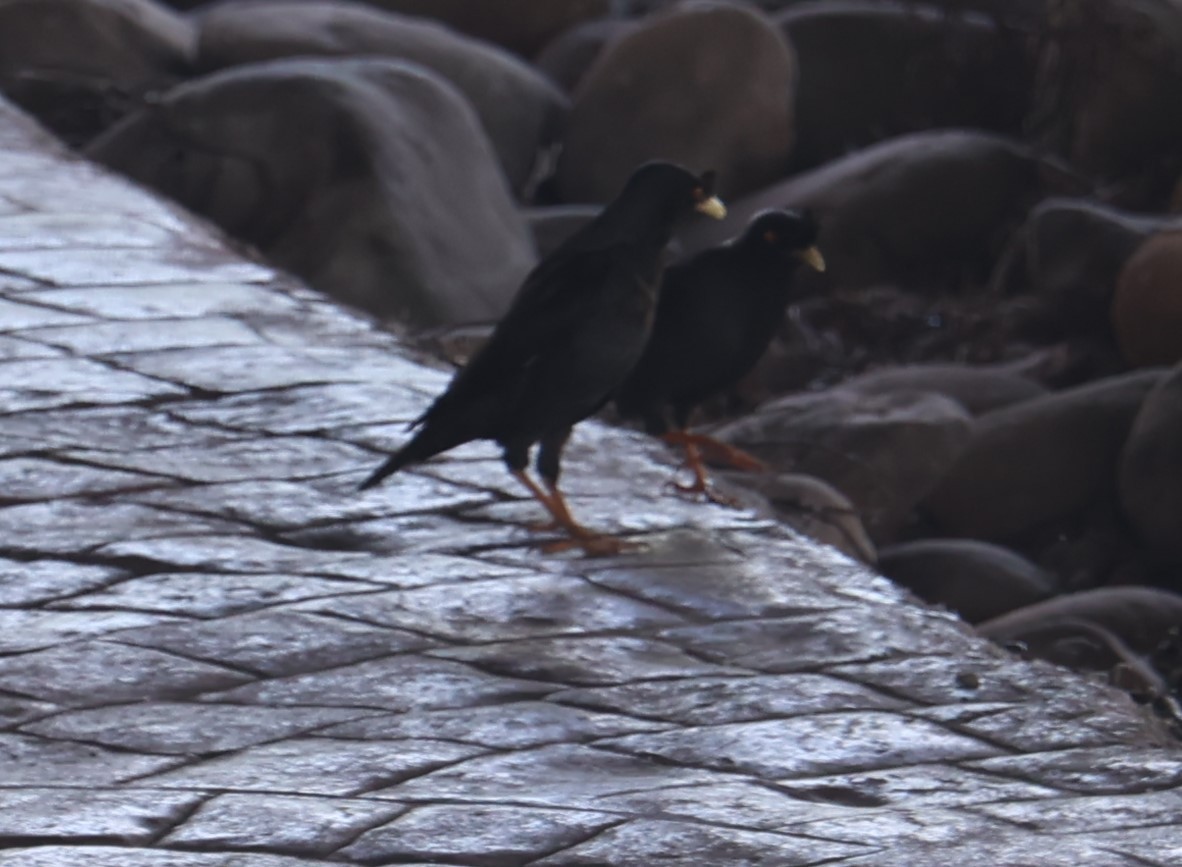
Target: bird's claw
(593, 545)
(699, 486)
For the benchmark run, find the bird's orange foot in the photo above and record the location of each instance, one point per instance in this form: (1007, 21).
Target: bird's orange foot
(592, 545)
(705, 489)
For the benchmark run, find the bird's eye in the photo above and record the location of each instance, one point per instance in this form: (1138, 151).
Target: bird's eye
(699, 194)
(770, 236)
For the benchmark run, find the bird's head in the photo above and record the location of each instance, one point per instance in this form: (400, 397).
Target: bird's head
(675, 187)
(787, 233)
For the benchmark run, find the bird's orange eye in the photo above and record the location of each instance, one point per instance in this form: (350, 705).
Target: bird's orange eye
(699, 194)
(770, 236)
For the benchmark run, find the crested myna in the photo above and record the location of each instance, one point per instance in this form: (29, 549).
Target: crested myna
(717, 313)
(575, 329)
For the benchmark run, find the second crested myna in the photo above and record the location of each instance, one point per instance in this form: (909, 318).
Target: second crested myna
(575, 329)
(717, 313)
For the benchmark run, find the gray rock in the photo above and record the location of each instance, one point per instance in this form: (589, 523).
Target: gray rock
(1147, 307)
(1150, 478)
(372, 179)
(1040, 459)
(816, 509)
(1140, 616)
(708, 86)
(78, 65)
(1070, 252)
(520, 110)
(978, 388)
(896, 212)
(978, 580)
(884, 452)
(870, 70)
(568, 56)
(523, 26)
(1108, 72)
(553, 225)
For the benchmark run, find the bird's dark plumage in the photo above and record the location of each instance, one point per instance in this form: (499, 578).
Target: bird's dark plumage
(718, 312)
(575, 329)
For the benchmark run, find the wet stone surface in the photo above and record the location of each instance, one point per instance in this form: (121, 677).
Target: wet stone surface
(215, 653)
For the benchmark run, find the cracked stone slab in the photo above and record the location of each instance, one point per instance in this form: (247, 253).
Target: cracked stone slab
(15, 316)
(42, 580)
(823, 744)
(317, 766)
(507, 726)
(175, 728)
(31, 761)
(99, 856)
(113, 338)
(63, 230)
(706, 701)
(1091, 814)
(14, 711)
(585, 661)
(42, 383)
(648, 841)
(1097, 771)
(400, 683)
(89, 672)
(284, 505)
(504, 608)
(934, 785)
(817, 640)
(67, 527)
(206, 594)
(109, 429)
(311, 408)
(485, 836)
(168, 300)
(286, 458)
(299, 824)
(22, 347)
(561, 775)
(97, 266)
(124, 817)
(277, 643)
(23, 630)
(41, 479)
(890, 829)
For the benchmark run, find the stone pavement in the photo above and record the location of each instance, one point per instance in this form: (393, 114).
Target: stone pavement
(214, 652)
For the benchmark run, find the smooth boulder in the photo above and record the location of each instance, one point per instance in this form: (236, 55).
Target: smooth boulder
(709, 86)
(519, 108)
(1039, 460)
(371, 179)
(885, 452)
(978, 580)
(926, 210)
(1147, 304)
(1150, 480)
(870, 70)
(80, 65)
(1069, 254)
(978, 388)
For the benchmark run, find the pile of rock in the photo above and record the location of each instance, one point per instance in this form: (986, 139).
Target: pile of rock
(987, 393)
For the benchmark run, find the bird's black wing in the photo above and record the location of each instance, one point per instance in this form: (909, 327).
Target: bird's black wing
(556, 297)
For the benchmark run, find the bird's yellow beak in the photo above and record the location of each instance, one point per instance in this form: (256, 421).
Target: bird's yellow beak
(813, 258)
(711, 207)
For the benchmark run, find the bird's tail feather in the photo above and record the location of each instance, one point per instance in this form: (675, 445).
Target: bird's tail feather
(427, 443)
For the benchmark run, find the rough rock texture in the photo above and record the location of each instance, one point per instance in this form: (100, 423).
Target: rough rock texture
(709, 86)
(1070, 253)
(569, 55)
(1150, 479)
(79, 65)
(1040, 459)
(519, 109)
(979, 389)
(870, 70)
(885, 452)
(898, 212)
(1147, 306)
(359, 175)
(977, 580)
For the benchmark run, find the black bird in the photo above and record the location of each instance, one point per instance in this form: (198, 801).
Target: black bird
(717, 313)
(575, 329)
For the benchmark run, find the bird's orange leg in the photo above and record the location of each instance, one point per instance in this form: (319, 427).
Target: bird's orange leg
(701, 483)
(593, 544)
(715, 450)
